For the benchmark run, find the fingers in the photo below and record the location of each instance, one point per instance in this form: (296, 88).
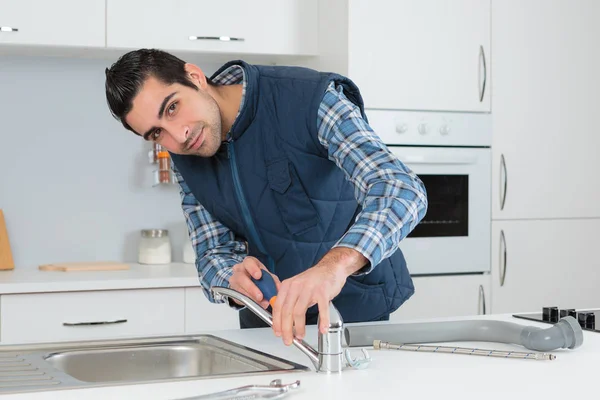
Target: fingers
(323, 314)
(281, 298)
(253, 266)
(303, 303)
(287, 317)
(241, 282)
(289, 312)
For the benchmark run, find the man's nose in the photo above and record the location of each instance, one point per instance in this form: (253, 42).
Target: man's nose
(181, 134)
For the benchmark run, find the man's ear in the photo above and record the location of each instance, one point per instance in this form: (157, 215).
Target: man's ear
(196, 75)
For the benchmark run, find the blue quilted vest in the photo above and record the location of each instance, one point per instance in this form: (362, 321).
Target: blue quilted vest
(273, 185)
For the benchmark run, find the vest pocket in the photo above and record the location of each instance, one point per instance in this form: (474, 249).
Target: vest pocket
(295, 207)
(361, 302)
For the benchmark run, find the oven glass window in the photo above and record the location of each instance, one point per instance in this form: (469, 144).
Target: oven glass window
(447, 213)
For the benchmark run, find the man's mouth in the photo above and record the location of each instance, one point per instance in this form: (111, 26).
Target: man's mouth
(197, 141)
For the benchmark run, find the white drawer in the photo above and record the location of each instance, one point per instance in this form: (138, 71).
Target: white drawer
(86, 315)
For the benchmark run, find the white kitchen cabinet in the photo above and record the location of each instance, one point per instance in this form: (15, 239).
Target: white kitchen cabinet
(421, 55)
(202, 315)
(545, 107)
(446, 296)
(545, 263)
(265, 26)
(64, 23)
(87, 315)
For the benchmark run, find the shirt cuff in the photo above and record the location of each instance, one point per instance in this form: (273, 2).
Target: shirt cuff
(368, 242)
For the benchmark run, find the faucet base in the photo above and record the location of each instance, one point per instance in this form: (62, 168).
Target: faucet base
(331, 363)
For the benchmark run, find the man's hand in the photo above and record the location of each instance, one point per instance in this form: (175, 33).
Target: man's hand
(241, 281)
(317, 285)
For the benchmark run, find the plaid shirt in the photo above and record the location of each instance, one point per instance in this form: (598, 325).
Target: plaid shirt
(392, 197)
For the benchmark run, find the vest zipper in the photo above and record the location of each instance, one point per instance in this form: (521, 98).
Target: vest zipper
(244, 206)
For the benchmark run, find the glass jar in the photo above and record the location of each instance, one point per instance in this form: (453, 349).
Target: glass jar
(154, 247)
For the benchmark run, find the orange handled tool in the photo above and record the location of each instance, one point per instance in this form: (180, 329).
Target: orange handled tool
(267, 286)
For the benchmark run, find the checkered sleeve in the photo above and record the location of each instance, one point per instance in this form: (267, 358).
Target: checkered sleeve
(392, 197)
(215, 245)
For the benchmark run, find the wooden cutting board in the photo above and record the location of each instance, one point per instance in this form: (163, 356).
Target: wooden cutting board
(84, 266)
(6, 258)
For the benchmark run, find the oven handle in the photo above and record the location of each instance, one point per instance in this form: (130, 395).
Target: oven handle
(453, 160)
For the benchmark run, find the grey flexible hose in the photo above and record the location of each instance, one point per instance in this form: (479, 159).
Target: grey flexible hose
(566, 333)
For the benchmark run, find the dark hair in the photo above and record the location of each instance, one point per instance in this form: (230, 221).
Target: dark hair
(126, 76)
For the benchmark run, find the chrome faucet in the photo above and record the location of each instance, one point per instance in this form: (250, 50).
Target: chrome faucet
(329, 356)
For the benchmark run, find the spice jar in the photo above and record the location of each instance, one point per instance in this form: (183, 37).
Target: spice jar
(154, 247)
(164, 167)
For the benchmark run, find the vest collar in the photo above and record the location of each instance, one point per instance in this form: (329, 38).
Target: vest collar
(250, 99)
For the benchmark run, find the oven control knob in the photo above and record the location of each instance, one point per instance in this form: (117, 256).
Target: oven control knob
(422, 128)
(401, 128)
(444, 130)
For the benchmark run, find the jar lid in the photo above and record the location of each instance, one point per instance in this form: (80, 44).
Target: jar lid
(154, 233)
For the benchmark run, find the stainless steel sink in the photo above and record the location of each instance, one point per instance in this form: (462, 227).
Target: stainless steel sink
(131, 361)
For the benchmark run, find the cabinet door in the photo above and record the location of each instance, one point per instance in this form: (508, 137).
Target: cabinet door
(56, 22)
(544, 263)
(421, 55)
(545, 95)
(446, 296)
(254, 27)
(202, 315)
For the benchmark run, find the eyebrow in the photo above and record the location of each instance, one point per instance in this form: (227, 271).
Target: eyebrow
(161, 110)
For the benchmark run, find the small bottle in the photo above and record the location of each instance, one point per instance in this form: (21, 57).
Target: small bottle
(164, 167)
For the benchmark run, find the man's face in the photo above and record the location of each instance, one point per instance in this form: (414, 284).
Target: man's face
(179, 118)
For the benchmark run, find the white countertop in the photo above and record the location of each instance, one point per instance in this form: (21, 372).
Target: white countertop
(138, 276)
(393, 374)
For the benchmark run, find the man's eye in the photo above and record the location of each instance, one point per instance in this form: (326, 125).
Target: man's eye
(156, 134)
(172, 108)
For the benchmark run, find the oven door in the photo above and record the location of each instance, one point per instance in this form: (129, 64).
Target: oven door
(454, 236)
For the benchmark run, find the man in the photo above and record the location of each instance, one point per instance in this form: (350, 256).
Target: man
(279, 171)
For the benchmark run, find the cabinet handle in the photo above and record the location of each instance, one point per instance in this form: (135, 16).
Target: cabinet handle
(482, 62)
(221, 38)
(8, 29)
(503, 173)
(502, 258)
(116, 321)
(481, 301)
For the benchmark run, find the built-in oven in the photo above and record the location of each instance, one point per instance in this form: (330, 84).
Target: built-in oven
(450, 152)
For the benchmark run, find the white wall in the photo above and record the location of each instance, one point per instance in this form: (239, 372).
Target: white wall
(74, 184)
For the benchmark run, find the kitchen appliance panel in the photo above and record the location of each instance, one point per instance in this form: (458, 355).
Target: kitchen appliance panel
(453, 237)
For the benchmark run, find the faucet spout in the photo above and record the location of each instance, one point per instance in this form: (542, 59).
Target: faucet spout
(222, 292)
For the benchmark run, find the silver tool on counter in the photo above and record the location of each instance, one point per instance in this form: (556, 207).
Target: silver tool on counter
(275, 390)
(378, 345)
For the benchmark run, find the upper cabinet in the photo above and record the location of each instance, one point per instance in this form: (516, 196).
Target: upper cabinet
(271, 27)
(421, 55)
(546, 104)
(53, 23)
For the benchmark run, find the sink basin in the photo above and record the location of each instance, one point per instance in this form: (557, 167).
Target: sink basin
(202, 357)
(59, 366)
